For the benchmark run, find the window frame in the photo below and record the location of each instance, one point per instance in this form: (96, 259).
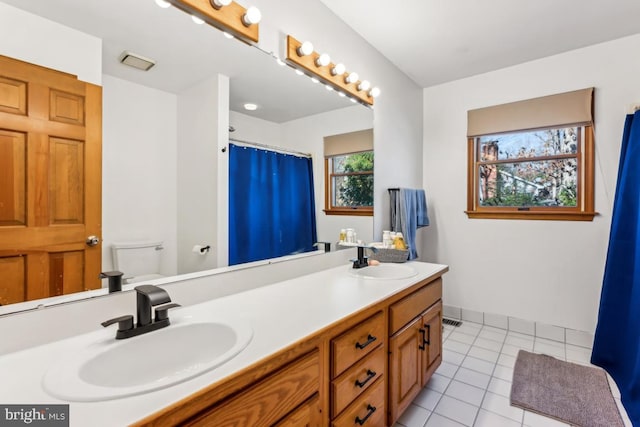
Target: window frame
(584, 211)
(329, 209)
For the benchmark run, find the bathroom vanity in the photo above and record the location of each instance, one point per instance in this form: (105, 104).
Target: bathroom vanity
(331, 348)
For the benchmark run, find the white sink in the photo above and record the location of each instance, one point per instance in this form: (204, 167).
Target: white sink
(384, 271)
(111, 369)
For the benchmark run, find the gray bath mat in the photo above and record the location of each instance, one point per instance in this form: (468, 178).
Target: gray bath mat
(571, 393)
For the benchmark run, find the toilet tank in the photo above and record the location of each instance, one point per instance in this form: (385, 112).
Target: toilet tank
(137, 259)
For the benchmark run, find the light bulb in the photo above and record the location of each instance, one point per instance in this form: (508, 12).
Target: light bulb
(338, 70)
(364, 85)
(323, 60)
(352, 78)
(305, 49)
(163, 4)
(197, 20)
(220, 3)
(252, 16)
(374, 92)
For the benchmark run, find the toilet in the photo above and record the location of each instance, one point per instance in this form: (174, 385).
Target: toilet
(139, 261)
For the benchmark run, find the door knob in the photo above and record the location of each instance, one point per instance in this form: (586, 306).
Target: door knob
(92, 240)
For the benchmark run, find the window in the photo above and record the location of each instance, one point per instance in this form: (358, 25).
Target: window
(349, 184)
(545, 173)
(349, 173)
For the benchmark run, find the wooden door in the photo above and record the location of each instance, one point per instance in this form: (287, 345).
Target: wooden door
(50, 182)
(404, 368)
(432, 324)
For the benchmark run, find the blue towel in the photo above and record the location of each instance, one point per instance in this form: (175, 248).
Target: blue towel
(408, 213)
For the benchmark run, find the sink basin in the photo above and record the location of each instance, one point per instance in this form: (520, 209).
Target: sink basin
(111, 369)
(384, 271)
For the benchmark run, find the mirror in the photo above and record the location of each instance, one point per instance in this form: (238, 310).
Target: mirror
(148, 118)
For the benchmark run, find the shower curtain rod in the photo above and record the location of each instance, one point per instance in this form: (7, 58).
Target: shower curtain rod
(271, 147)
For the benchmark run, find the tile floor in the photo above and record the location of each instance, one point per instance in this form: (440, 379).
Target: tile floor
(472, 386)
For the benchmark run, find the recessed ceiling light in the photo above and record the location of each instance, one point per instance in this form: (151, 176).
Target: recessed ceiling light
(250, 107)
(136, 61)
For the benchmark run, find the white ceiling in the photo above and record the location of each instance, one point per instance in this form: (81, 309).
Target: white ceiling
(435, 41)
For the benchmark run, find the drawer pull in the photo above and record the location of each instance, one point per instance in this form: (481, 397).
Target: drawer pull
(370, 375)
(424, 339)
(370, 339)
(371, 410)
(428, 340)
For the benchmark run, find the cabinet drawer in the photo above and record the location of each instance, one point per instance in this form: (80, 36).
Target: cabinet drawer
(412, 305)
(368, 410)
(268, 400)
(356, 343)
(356, 380)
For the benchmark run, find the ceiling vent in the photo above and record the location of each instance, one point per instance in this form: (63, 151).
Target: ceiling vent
(136, 61)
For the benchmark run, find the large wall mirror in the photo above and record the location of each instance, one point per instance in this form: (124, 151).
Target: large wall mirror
(165, 130)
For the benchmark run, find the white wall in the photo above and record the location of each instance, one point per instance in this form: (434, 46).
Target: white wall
(252, 129)
(40, 41)
(202, 115)
(139, 168)
(549, 271)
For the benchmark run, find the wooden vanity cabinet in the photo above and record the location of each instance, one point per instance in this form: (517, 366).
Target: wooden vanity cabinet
(415, 345)
(362, 371)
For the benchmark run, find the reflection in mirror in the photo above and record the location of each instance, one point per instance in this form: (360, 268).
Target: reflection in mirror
(164, 176)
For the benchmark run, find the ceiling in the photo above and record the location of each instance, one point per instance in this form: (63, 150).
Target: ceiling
(435, 41)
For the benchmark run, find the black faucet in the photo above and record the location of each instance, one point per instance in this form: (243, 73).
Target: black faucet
(115, 280)
(147, 296)
(362, 260)
(327, 245)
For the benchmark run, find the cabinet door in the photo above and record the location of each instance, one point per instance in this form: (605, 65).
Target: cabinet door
(432, 330)
(405, 367)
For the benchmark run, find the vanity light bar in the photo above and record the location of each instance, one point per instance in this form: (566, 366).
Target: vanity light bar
(231, 18)
(310, 64)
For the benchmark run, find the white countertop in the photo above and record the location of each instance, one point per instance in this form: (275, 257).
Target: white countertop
(280, 314)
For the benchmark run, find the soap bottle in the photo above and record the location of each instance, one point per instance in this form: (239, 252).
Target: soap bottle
(343, 235)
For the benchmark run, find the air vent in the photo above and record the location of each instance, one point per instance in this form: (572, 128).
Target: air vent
(451, 322)
(136, 61)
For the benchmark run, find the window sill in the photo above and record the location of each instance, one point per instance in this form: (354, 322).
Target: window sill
(349, 212)
(532, 215)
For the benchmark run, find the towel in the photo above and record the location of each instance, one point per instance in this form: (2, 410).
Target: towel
(408, 213)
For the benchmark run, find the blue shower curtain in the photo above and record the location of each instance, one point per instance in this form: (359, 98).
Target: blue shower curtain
(616, 347)
(271, 204)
